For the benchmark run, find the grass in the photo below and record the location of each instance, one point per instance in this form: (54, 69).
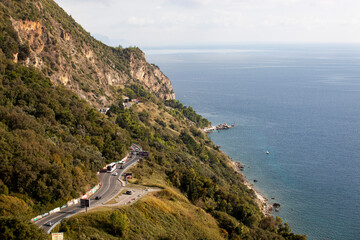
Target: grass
(113, 200)
(168, 215)
(131, 185)
(162, 215)
(156, 179)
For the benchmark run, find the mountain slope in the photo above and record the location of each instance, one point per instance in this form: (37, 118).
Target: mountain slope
(50, 40)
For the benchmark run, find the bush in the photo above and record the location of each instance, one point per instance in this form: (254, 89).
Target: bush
(13, 228)
(188, 112)
(119, 223)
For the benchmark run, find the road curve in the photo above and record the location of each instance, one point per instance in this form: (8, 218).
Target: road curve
(110, 186)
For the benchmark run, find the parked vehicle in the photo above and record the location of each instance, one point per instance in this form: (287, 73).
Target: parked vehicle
(129, 192)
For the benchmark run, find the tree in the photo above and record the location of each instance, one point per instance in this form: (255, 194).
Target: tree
(14, 228)
(119, 223)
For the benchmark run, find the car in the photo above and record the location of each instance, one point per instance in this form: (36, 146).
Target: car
(97, 197)
(129, 192)
(49, 224)
(115, 174)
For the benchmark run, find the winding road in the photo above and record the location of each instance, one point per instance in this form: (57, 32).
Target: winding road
(111, 185)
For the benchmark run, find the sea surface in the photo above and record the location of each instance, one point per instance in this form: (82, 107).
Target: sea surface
(299, 102)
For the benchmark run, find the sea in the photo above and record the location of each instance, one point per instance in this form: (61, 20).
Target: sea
(299, 102)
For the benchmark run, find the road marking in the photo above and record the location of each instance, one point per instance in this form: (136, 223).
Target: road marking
(104, 190)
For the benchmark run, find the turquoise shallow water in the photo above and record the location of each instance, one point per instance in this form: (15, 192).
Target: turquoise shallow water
(300, 103)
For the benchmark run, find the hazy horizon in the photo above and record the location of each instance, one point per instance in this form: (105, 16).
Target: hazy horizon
(197, 22)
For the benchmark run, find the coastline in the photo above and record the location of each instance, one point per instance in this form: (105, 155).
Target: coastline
(261, 200)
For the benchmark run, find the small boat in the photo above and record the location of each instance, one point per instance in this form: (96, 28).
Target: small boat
(267, 152)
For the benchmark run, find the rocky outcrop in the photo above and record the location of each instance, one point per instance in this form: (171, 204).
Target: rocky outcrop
(68, 55)
(32, 33)
(150, 77)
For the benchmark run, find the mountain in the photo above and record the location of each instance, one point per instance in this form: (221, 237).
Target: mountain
(54, 77)
(50, 40)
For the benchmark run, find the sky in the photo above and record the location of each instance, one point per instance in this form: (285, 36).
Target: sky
(158, 23)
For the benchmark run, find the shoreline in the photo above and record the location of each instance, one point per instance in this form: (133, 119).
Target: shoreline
(261, 200)
(220, 126)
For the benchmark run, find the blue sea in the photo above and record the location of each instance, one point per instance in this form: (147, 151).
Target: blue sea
(299, 102)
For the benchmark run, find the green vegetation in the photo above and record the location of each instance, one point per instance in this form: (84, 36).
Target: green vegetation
(24, 10)
(52, 143)
(180, 110)
(13, 228)
(52, 39)
(185, 159)
(9, 40)
(163, 215)
(138, 91)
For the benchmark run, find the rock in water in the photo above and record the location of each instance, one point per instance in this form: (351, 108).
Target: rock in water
(276, 205)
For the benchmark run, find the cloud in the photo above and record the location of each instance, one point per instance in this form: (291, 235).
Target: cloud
(179, 22)
(105, 2)
(141, 21)
(188, 3)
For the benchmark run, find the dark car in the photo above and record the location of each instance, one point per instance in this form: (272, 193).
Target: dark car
(49, 224)
(97, 198)
(129, 192)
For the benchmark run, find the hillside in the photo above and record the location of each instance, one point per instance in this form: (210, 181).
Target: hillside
(41, 34)
(53, 140)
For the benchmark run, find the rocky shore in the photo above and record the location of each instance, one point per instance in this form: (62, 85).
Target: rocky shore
(218, 127)
(262, 201)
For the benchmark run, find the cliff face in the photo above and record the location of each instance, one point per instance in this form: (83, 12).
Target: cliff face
(68, 55)
(151, 77)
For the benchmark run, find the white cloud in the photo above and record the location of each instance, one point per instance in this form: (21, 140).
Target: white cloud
(183, 22)
(140, 21)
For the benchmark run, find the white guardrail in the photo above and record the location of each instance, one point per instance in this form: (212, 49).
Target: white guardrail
(74, 201)
(68, 204)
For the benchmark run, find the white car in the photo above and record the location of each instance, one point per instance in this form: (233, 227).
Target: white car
(115, 174)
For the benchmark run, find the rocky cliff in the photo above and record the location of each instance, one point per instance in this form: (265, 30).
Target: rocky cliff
(150, 76)
(54, 43)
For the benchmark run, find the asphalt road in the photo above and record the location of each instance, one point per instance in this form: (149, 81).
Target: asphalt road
(110, 187)
(126, 199)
